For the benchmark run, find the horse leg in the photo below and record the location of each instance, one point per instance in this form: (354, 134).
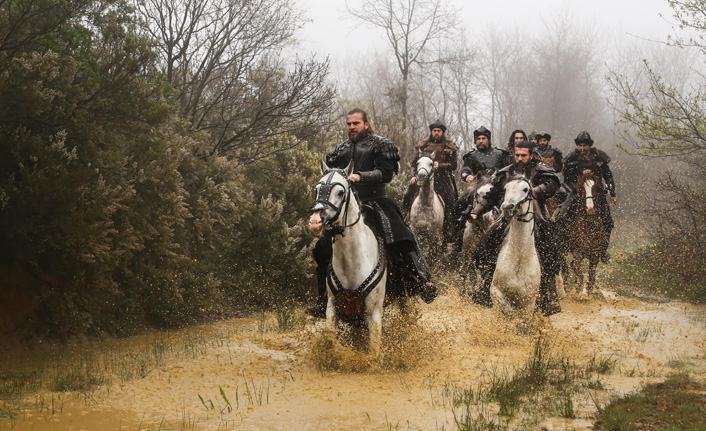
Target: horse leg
(592, 264)
(331, 313)
(373, 317)
(578, 274)
(565, 272)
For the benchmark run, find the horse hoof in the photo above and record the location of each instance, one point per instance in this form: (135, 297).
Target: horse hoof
(428, 293)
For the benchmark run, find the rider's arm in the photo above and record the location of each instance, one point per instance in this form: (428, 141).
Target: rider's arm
(571, 173)
(451, 161)
(385, 162)
(467, 169)
(546, 186)
(491, 199)
(606, 173)
(608, 178)
(558, 162)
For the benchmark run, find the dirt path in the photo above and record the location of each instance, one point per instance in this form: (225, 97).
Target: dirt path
(254, 378)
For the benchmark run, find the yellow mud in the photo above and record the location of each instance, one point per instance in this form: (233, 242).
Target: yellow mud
(307, 380)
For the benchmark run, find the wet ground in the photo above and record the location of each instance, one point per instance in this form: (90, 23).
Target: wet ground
(246, 374)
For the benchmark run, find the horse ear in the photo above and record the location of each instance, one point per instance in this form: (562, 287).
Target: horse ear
(322, 166)
(349, 168)
(432, 155)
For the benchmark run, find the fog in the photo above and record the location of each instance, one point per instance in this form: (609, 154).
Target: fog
(331, 31)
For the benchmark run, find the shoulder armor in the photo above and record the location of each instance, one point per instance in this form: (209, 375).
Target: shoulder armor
(421, 144)
(386, 148)
(601, 156)
(451, 144)
(333, 154)
(542, 168)
(502, 150)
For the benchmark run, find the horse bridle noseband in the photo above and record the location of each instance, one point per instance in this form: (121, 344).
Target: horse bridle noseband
(529, 211)
(429, 173)
(323, 197)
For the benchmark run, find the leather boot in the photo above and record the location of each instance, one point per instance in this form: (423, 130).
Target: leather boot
(319, 309)
(421, 277)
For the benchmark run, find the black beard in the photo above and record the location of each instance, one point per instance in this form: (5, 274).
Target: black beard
(524, 169)
(436, 140)
(359, 136)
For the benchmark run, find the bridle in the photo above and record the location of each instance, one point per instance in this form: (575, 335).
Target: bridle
(323, 196)
(529, 213)
(428, 172)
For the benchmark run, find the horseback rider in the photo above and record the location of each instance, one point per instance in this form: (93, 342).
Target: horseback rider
(544, 183)
(532, 138)
(586, 160)
(550, 156)
(553, 158)
(516, 136)
(375, 161)
(445, 161)
(482, 161)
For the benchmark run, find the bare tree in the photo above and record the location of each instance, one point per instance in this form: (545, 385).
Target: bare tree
(505, 73)
(411, 26)
(223, 59)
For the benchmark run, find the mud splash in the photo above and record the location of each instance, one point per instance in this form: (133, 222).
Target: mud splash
(244, 374)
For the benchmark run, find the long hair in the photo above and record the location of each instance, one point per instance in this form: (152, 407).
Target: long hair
(365, 118)
(511, 141)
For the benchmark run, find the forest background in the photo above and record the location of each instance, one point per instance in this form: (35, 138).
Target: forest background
(158, 157)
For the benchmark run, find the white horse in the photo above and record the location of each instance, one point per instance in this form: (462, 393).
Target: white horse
(426, 218)
(474, 231)
(517, 274)
(358, 273)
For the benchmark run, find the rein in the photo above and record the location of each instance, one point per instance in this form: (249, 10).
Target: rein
(529, 211)
(323, 196)
(429, 173)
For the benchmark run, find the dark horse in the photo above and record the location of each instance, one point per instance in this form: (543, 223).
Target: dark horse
(586, 235)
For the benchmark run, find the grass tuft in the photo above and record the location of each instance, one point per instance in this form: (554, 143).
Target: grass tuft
(679, 403)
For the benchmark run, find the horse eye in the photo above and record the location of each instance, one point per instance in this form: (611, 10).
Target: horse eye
(340, 193)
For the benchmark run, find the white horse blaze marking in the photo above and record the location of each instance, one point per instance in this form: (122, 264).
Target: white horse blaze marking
(588, 188)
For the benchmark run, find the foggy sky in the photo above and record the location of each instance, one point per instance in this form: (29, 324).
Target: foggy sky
(332, 32)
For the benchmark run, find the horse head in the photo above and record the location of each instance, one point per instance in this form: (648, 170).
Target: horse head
(483, 188)
(425, 167)
(333, 195)
(518, 191)
(590, 185)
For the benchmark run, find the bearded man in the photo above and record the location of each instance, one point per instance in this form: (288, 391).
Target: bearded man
(587, 160)
(445, 154)
(375, 160)
(544, 183)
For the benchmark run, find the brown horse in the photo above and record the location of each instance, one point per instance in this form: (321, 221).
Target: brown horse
(586, 236)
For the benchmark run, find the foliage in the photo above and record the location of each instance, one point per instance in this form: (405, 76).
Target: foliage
(103, 199)
(230, 80)
(662, 269)
(676, 404)
(664, 119)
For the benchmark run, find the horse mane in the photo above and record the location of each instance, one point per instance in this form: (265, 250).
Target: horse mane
(516, 177)
(592, 176)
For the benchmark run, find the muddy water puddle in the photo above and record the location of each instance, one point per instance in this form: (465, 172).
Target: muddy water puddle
(244, 374)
